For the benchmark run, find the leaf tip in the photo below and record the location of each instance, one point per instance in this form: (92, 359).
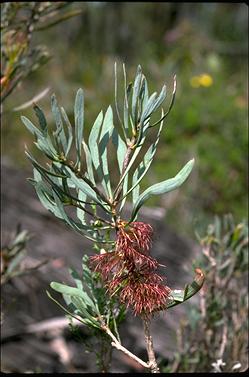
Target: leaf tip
(175, 82)
(52, 284)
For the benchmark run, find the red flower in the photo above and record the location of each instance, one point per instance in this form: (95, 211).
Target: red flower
(138, 235)
(106, 263)
(129, 270)
(145, 294)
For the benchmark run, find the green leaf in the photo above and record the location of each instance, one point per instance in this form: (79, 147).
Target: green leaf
(120, 147)
(45, 194)
(144, 166)
(153, 104)
(181, 295)
(136, 186)
(77, 279)
(116, 96)
(79, 122)
(65, 310)
(59, 134)
(31, 127)
(80, 228)
(80, 184)
(160, 99)
(126, 106)
(163, 187)
(89, 162)
(74, 292)
(170, 106)
(146, 94)
(135, 94)
(106, 132)
(69, 130)
(35, 163)
(148, 108)
(93, 140)
(42, 120)
(80, 213)
(46, 200)
(42, 144)
(79, 303)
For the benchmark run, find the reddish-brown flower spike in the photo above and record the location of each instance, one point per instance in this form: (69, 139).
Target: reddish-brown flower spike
(134, 260)
(106, 263)
(137, 235)
(145, 297)
(129, 270)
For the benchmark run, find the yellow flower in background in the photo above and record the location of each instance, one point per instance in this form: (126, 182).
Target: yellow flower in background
(201, 80)
(206, 80)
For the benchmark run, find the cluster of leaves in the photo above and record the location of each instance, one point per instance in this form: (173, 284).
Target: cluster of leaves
(89, 304)
(87, 301)
(86, 182)
(214, 336)
(19, 20)
(12, 256)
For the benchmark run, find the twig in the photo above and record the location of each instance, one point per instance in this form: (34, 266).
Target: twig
(224, 341)
(119, 347)
(206, 252)
(92, 214)
(149, 344)
(127, 157)
(203, 304)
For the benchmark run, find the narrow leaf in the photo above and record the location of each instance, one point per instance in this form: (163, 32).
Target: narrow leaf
(179, 295)
(120, 147)
(93, 140)
(72, 291)
(136, 91)
(80, 184)
(80, 213)
(30, 126)
(106, 132)
(144, 165)
(126, 106)
(60, 133)
(89, 162)
(79, 122)
(163, 187)
(42, 120)
(69, 130)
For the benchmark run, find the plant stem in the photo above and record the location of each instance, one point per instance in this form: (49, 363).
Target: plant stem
(149, 344)
(119, 347)
(118, 189)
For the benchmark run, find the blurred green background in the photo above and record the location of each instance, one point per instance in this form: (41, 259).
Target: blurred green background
(205, 45)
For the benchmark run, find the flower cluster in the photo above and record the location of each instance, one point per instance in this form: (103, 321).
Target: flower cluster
(129, 270)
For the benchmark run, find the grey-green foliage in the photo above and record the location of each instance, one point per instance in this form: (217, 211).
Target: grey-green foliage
(12, 256)
(216, 326)
(20, 56)
(87, 182)
(87, 301)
